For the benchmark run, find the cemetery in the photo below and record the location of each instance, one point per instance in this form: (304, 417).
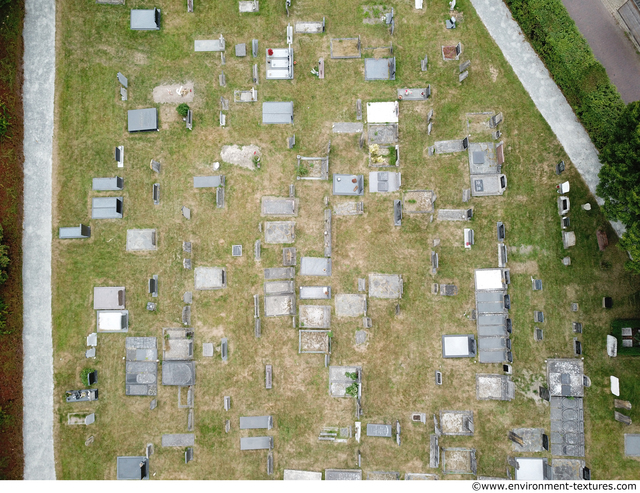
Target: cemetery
(212, 271)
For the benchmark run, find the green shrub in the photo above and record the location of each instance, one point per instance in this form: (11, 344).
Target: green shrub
(352, 390)
(183, 109)
(566, 54)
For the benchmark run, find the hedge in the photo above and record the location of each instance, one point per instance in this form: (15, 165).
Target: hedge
(565, 52)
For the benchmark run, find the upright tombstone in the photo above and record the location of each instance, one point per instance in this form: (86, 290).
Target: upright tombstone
(156, 193)
(424, 63)
(255, 74)
(254, 48)
(462, 68)
(560, 167)
(79, 232)
(155, 166)
(358, 109)
(119, 154)
(224, 349)
(222, 79)
(268, 381)
(186, 212)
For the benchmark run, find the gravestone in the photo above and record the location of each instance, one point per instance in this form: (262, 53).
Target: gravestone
(257, 328)
(560, 167)
(190, 420)
(90, 353)
(292, 187)
(291, 141)
(270, 463)
(186, 315)
(538, 316)
(464, 66)
(431, 150)
(188, 455)
(254, 48)
(361, 337)
(186, 212)
(227, 426)
(465, 143)
(189, 120)
(207, 349)
(358, 109)
(122, 79)
(438, 377)
(224, 104)
(156, 193)
(151, 306)
(155, 166)
(566, 261)
(577, 327)
(538, 334)
(153, 286)
(186, 246)
(220, 198)
(362, 284)
(577, 347)
(424, 63)
(123, 94)
(620, 404)
(256, 250)
(543, 392)
(187, 297)
(429, 127)
(227, 402)
(621, 418)
(255, 74)
(222, 80)
(268, 377)
(224, 350)
(236, 250)
(186, 263)
(463, 76)
(496, 135)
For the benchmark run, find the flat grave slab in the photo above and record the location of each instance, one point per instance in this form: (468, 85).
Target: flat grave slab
(280, 273)
(278, 287)
(374, 430)
(343, 474)
(383, 476)
(384, 112)
(279, 232)
(315, 266)
(315, 292)
(531, 468)
(141, 366)
(567, 427)
(453, 214)
(245, 6)
(208, 181)
(567, 469)
(289, 256)
(178, 440)
(632, 445)
(408, 476)
(314, 316)
(482, 158)
(116, 321)
(139, 240)
(418, 202)
(207, 349)
(314, 341)
(351, 305)
(494, 387)
(448, 146)
(348, 209)
(347, 128)
(565, 377)
(209, 44)
(256, 443)
(279, 62)
(384, 181)
(210, 278)
(279, 206)
(379, 69)
(280, 306)
(382, 133)
(348, 184)
(531, 438)
(132, 468)
(487, 185)
(142, 120)
(388, 286)
(419, 94)
(310, 27)
(256, 422)
(109, 298)
(181, 373)
(297, 475)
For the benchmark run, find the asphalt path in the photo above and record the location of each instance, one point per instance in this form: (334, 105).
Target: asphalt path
(609, 44)
(37, 380)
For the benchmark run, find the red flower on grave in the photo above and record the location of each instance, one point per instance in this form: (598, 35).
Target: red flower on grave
(270, 51)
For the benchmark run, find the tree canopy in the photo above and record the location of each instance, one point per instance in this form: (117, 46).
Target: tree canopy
(620, 180)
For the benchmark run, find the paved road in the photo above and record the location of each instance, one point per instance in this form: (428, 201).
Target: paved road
(543, 91)
(609, 44)
(37, 381)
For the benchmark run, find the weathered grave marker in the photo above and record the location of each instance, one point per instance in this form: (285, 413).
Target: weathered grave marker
(153, 286)
(227, 402)
(254, 48)
(155, 166)
(463, 76)
(222, 79)
(424, 63)
(464, 66)
(268, 380)
(358, 109)
(156, 193)
(186, 212)
(123, 94)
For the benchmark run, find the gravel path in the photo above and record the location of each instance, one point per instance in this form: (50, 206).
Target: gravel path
(543, 91)
(609, 44)
(37, 381)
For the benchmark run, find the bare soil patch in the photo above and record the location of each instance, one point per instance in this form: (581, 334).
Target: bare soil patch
(240, 156)
(174, 93)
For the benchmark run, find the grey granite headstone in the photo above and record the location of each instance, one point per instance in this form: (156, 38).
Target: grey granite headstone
(207, 349)
(187, 297)
(186, 212)
(122, 79)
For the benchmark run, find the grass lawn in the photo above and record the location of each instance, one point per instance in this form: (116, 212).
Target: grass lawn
(94, 42)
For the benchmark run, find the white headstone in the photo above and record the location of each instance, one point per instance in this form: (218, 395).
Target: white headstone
(612, 346)
(615, 386)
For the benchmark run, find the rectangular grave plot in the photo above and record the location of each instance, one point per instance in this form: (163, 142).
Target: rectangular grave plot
(382, 134)
(279, 306)
(314, 316)
(289, 257)
(351, 305)
(279, 206)
(346, 48)
(314, 341)
(418, 201)
(279, 232)
(279, 273)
